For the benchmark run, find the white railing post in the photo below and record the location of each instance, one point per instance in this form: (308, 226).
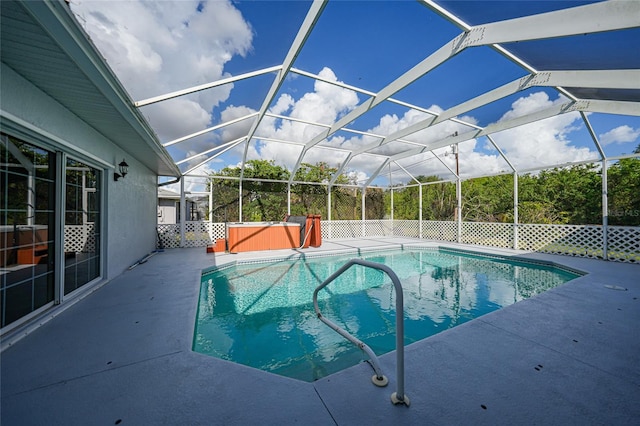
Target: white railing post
(183, 214)
(420, 211)
(605, 212)
(240, 201)
(515, 211)
(363, 216)
(459, 209)
(378, 379)
(329, 211)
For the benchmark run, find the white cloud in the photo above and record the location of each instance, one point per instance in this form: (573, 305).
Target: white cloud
(528, 105)
(283, 104)
(325, 104)
(177, 118)
(239, 129)
(542, 143)
(159, 47)
(619, 135)
(359, 177)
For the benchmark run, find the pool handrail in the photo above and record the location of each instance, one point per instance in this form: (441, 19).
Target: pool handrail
(378, 379)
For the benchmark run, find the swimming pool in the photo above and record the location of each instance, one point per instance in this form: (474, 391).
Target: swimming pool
(261, 314)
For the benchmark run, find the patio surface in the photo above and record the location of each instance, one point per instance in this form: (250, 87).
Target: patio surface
(122, 355)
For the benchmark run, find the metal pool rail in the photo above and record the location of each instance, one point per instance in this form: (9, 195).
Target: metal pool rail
(378, 379)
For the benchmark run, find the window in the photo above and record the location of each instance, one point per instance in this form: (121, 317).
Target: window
(27, 242)
(81, 225)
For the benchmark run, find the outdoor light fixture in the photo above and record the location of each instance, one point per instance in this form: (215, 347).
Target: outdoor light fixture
(124, 168)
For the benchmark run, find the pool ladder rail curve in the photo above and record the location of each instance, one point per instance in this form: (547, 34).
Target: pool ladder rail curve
(378, 379)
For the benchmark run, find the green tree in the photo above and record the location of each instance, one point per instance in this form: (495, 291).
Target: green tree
(264, 191)
(406, 203)
(533, 204)
(575, 192)
(438, 199)
(264, 199)
(488, 199)
(375, 204)
(225, 206)
(311, 199)
(624, 191)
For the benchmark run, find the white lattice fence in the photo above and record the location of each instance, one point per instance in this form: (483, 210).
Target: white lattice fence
(573, 240)
(623, 243)
(341, 229)
(218, 231)
(406, 228)
(439, 230)
(169, 235)
(79, 238)
(487, 234)
(378, 228)
(369, 228)
(196, 234)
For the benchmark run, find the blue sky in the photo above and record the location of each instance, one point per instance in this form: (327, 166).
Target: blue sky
(159, 47)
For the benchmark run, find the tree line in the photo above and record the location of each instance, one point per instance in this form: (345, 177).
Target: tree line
(568, 195)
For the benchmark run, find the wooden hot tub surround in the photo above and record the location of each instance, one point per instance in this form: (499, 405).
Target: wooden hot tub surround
(252, 236)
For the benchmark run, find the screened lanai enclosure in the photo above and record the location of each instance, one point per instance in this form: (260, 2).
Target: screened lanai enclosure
(508, 124)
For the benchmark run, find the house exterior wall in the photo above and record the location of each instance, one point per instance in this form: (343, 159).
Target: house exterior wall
(129, 205)
(167, 211)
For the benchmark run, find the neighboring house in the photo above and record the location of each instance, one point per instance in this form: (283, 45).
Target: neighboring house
(66, 123)
(169, 207)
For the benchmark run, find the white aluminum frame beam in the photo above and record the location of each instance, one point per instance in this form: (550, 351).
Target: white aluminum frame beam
(376, 173)
(231, 146)
(338, 172)
(623, 79)
(427, 159)
(506, 159)
(209, 151)
(404, 170)
(359, 90)
(206, 86)
(592, 18)
(210, 129)
(327, 126)
(607, 107)
(559, 166)
(593, 135)
(303, 33)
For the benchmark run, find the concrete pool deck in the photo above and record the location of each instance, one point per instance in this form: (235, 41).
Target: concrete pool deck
(122, 355)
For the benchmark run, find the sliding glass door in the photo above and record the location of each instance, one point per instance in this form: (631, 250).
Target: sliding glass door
(39, 264)
(27, 218)
(81, 225)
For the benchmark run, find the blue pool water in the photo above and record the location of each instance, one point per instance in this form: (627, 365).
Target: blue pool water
(261, 314)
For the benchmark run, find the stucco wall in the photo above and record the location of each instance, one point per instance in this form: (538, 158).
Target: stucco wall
(130, 210)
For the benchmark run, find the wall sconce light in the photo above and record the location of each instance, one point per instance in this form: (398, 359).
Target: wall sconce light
(124, 168)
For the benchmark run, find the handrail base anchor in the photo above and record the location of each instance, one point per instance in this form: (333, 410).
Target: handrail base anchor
(381, 381)
(395, 400)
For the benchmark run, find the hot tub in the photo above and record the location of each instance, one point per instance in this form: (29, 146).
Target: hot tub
(250, 236)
